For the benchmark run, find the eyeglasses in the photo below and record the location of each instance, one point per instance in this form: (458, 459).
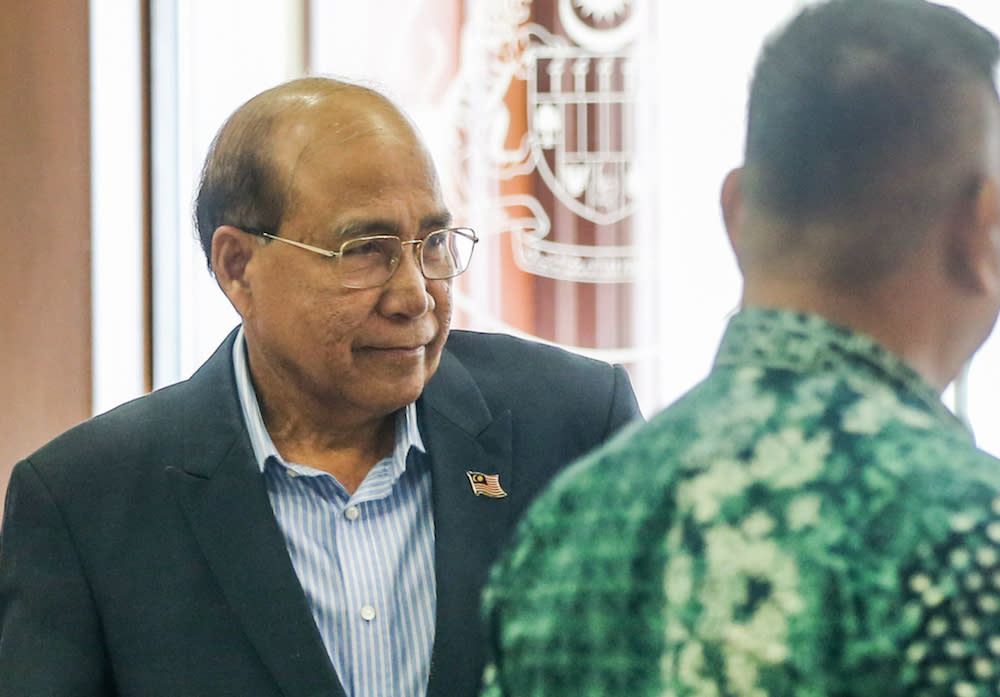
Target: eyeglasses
(368, 262)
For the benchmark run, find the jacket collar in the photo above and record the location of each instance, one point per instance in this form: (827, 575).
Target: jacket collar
(224, 498)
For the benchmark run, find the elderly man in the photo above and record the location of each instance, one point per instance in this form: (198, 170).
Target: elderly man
(809, 520)
(314, 511)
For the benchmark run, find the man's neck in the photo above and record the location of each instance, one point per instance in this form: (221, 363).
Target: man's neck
(347, 454)
(897, 315)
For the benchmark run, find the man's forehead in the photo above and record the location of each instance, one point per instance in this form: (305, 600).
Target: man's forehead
(344, 114)
(330, 126)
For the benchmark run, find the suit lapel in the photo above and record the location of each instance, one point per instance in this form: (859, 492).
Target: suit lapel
(224, 498)
(222, 495)
(462, 435)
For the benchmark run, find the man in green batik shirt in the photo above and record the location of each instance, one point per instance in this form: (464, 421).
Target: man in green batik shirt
(809, 520)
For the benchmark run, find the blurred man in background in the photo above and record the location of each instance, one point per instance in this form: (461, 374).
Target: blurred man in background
(810, 519)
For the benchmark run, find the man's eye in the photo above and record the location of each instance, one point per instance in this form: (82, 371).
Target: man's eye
(363, 248)
(435, 242)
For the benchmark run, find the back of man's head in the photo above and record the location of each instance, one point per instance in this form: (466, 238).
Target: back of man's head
(865, 123)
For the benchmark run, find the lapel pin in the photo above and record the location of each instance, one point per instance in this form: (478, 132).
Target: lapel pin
(486, 485)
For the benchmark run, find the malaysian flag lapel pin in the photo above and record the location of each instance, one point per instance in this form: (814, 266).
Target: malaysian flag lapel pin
(486, 485)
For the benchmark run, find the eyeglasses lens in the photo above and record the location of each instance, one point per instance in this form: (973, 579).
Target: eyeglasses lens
(445, 253)
(370, 261)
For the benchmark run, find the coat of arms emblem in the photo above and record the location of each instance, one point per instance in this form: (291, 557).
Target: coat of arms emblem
(580, 98)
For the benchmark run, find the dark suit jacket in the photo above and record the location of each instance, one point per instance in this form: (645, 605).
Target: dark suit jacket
(140, 556)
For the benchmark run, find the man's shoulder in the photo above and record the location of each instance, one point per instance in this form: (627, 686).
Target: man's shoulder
(484, 354)
(467, 344)
(161, 421)
(147, 424)
(528, 373)
(721, 420)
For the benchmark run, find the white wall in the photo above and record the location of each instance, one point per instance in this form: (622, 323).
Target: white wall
(209, 56)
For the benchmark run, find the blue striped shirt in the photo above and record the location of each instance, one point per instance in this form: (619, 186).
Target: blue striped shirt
(365, 561)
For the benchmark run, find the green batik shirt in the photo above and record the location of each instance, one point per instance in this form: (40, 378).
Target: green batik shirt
(810, 520)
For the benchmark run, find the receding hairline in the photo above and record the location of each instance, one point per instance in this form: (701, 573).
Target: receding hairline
(247, 179)
(289, 98)
(289, 105)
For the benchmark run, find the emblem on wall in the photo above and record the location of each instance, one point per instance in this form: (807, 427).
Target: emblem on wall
(580, 94)
(576, 133)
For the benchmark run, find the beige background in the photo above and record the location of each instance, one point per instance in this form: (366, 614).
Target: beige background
(45, 383)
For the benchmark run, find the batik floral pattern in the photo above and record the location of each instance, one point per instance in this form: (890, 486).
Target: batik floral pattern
(809, 521)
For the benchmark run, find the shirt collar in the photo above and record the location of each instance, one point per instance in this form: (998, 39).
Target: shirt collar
(803, 342)
(407, 430)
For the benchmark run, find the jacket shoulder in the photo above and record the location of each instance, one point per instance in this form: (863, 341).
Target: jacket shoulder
(162, 422)
(525, 374)
(503, 349)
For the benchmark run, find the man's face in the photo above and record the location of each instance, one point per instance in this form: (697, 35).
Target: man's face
(362, 353)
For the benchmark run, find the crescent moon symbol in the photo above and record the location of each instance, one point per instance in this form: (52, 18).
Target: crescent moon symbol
(600, 40)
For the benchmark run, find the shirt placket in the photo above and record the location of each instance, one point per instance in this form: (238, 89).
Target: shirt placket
(366, 608)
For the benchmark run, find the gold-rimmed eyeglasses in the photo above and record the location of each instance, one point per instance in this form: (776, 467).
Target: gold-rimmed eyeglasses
(368, 262)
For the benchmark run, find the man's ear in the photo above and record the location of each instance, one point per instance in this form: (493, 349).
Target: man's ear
(731, 200)
(232, 250)
(976, 240)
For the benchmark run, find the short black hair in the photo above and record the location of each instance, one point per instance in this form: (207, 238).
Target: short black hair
(852, 93)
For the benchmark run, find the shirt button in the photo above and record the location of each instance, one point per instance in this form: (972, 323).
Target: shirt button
(352, 513)
(367, 613)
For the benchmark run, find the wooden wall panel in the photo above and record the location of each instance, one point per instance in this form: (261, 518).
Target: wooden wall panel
(45, 358)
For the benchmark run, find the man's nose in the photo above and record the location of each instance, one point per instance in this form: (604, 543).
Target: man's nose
(406, 292)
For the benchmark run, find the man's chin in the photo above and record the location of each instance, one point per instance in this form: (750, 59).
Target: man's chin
(396, 394)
